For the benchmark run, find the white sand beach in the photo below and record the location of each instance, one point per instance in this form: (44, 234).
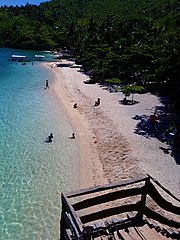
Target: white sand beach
(110, 148)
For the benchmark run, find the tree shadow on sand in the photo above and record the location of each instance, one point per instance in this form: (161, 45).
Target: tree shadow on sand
(173, 151)
(128, 102)
(143, 127)
(159, 131)
(176, 154)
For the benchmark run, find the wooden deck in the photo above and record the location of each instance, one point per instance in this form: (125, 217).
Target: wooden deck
(111, 212)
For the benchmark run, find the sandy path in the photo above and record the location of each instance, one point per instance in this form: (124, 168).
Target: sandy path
(110, 150)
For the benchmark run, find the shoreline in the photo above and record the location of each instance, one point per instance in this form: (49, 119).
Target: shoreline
(110, 150)
(90, 165)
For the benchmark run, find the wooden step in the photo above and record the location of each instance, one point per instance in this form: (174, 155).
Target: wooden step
(131, 234)
(150, 233)
(135, 233)
(116, 237)
(125, 235)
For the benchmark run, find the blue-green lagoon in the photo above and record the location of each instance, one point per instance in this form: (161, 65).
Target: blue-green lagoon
(33, 172)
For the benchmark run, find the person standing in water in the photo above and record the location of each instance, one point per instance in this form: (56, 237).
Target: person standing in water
(50, 137)
(47, 85)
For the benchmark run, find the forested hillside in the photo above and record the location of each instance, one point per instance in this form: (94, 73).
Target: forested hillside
(114, 38)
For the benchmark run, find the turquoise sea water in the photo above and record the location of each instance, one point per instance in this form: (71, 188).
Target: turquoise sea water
(33, 172)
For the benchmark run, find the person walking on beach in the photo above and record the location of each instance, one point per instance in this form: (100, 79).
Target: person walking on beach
(47, 85)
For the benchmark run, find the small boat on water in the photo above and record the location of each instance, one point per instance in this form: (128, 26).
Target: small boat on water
(18, 58)
(23, 58)
(39, 57)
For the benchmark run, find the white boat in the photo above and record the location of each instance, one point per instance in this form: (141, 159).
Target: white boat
(39, 56)
(18, 58)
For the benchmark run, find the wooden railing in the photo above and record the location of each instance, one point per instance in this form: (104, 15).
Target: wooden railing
(73, 226)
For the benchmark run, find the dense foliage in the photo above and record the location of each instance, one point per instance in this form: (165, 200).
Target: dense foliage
(125, 39)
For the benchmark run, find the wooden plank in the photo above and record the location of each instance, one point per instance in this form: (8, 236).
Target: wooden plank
(116, 224)
(68, 234)
(104, 187)
(70, 210)
(166, 190)
(154, 194)
(107, 198)
(158, 217)
(118, 236)
(135, 234)
(143, 198)
(125, 235)
(99, 225)
(110, 212)
(132, 215)
(99, 228)
(150, 233)
(71, 224)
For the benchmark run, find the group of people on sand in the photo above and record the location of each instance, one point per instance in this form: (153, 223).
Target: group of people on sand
(171, 134)
(75, 105)
(97, 103)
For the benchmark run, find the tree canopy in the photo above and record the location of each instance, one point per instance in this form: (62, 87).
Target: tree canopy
(131, 40)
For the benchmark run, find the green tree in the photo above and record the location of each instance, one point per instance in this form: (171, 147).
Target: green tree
(132, 89)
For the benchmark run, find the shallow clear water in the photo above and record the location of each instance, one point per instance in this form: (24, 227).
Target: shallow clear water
(33, 172)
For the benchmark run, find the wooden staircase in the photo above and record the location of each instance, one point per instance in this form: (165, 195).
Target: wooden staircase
(96, 213)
